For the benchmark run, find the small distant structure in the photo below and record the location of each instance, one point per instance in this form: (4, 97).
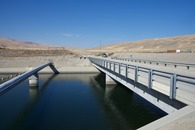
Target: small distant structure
(174, 51)
(178, 51)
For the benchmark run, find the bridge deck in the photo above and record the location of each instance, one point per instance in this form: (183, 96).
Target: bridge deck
(179, 69)
(186, 89)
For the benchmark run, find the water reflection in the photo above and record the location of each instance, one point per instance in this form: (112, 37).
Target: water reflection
(33, 93)
(124, 109)
(117, 118)
(114, 116)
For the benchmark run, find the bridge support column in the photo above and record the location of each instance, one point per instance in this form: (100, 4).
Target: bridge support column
(34, 80)
(109, 80)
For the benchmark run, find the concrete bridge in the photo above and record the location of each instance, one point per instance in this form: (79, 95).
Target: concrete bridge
(31, 74)
(172, 92)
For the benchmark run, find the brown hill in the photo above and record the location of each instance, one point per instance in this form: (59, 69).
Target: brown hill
(14, 48)
(183, 43)
(14, 44)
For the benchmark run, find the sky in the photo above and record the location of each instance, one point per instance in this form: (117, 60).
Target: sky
(91, 23)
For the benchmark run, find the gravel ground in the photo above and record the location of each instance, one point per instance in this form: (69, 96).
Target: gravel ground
(72, 60)
(170, 57)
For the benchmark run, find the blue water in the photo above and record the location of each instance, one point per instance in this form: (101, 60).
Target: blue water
(74, 102)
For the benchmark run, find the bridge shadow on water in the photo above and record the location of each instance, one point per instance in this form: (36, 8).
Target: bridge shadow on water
(35, 93)
(125, 109)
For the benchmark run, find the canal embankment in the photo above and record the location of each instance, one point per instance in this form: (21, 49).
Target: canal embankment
(64, 64)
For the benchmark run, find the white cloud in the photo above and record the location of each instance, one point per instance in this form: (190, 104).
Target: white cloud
(70, 35)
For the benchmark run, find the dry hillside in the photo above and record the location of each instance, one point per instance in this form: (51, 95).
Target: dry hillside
(14, 44)
(183, 43)
(9, 47)
(14, 48)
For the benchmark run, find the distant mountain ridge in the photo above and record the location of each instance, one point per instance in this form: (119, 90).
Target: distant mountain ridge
(184, 43)
(15, 44)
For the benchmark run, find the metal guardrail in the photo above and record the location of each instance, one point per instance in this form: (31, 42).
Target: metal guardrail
(173, 77)
(175, 64)
(22, 77)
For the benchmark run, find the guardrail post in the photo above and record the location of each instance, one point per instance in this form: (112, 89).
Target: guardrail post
(126, 74)
(119, 68)
(150, 79)
(136, 73)
(110, 65)
(174, 85)
(173, 81)
(114, 66)
(171, 86)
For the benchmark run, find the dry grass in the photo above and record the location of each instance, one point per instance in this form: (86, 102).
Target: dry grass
(184, 43)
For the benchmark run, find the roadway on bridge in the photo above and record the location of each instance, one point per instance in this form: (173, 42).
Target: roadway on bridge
(180, 69)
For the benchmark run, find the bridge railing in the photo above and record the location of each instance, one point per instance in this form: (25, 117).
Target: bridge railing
(151, 73)
(22, 77)
(157, 62)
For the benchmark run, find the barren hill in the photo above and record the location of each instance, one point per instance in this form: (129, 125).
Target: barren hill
(183, 43)
(14, 48)
(15, 44)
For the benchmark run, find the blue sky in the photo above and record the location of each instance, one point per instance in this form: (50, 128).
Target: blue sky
(84, 23)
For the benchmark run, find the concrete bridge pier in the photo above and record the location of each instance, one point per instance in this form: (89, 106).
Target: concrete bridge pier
(34, 80)
(109, 80)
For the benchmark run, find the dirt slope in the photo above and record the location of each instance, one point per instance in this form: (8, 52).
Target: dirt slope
(184, 43)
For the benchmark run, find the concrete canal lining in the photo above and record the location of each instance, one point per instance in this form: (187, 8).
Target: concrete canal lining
(179, 120)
